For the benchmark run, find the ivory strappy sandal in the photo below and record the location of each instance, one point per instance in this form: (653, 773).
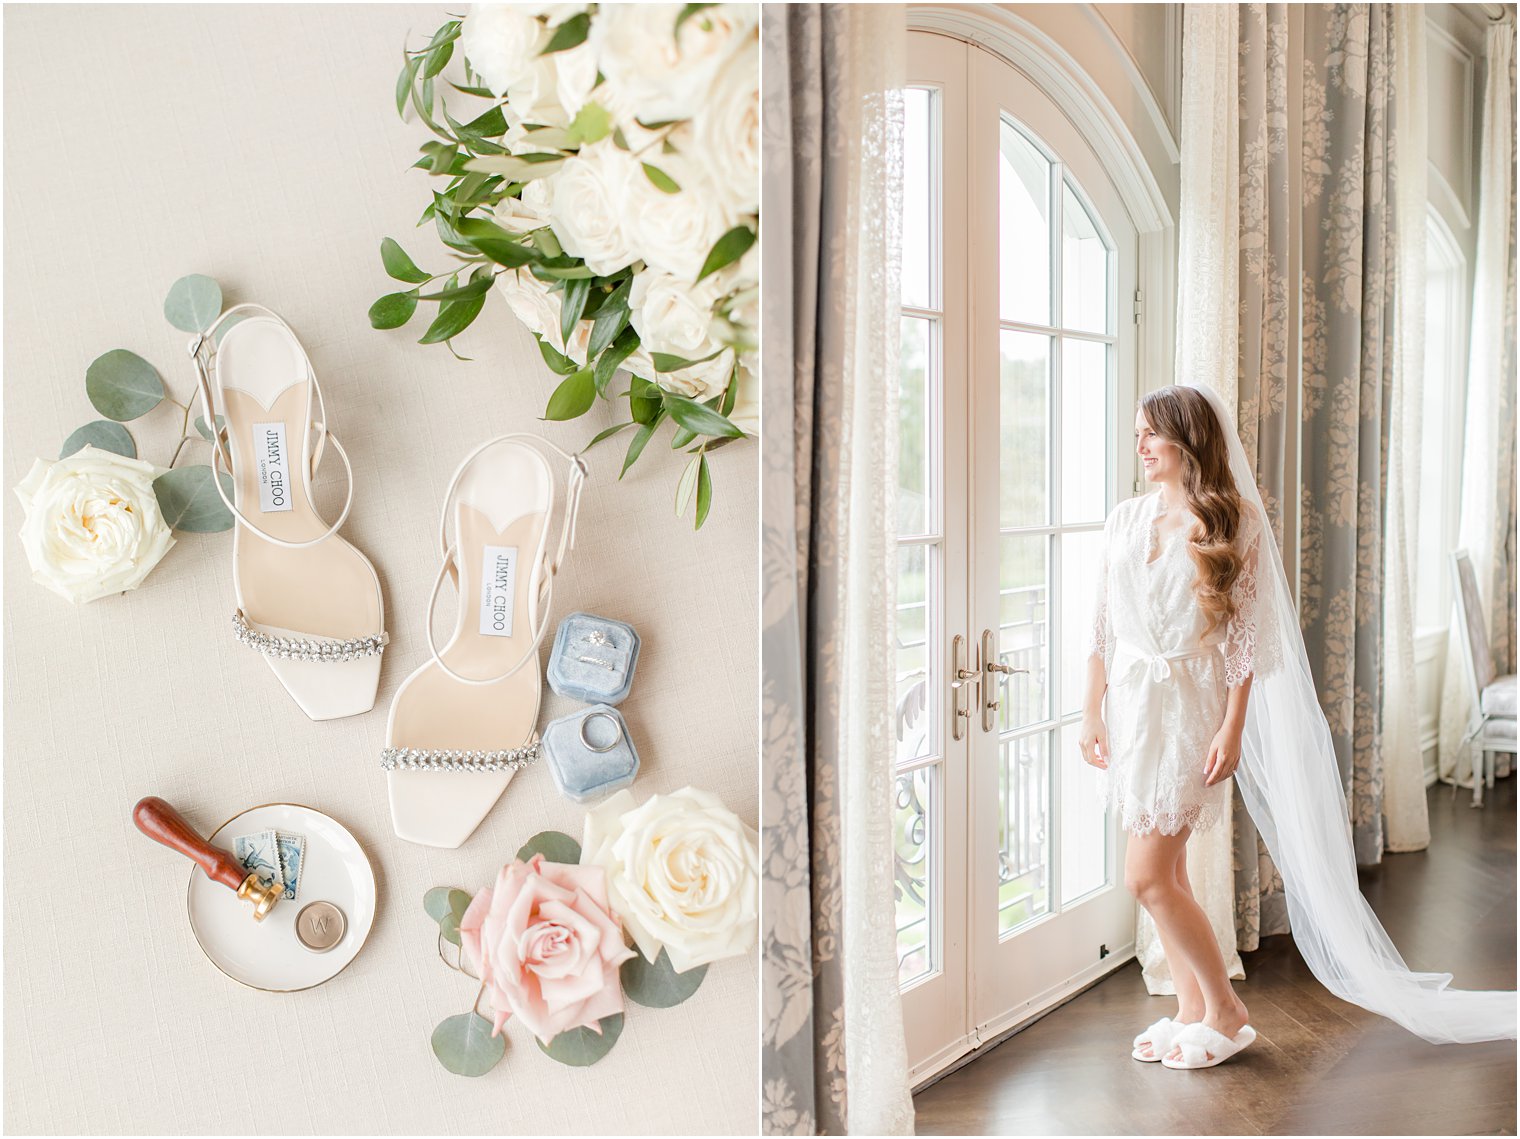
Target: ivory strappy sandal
(306, 599)
(465, 723)
(1203, 1047)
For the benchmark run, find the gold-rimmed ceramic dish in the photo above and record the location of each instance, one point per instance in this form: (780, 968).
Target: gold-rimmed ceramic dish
(268, 955)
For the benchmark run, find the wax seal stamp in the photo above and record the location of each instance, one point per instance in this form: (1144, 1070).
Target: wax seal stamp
(320, 926)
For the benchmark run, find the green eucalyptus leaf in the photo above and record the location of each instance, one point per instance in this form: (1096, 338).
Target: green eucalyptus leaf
(516, 167)
(662, 180)
(555, 846)
(404, 83)
(571, 305)
(687, 486)
(636, 446)
(476, 287)
(727, 249)
(459, 901)
(189, 502)
(492, 124)
(448, 928)
(605, 433)
(193, 303)
(105, 435)
(453, 318)
(657, 984)
(398, 265)
(681, 438)
(592, 124)
(436, 902)
(610, 360)
(644, 403)
(122, 385)
(437, 59)
(559, 363)
(496, 243)
(464, 1044)
(699, 417)
(570, 34)
(582, 1047)
(205, 432)
(574, 396)
(478, 92)
(704, 492)
(393, 310)
(669, 362)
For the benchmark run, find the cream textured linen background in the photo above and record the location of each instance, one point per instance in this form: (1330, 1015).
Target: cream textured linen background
(260, 145)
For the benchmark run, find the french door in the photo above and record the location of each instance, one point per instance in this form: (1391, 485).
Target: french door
(1018, 381)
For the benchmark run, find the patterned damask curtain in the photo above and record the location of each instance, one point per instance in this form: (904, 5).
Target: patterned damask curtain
(1348, 365)
(1263, 374)
(833, 1057)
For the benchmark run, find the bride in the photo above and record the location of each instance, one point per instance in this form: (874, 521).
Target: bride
(1197, 661)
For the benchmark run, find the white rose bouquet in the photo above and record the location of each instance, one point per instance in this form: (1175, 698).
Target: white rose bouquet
(609, 190)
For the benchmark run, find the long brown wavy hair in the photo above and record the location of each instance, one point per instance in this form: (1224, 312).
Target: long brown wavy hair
(1182, 415)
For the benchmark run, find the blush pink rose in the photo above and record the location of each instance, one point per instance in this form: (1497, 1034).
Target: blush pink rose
(546, 946)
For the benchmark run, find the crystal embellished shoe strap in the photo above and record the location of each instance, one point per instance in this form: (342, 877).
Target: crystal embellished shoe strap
(322, 649)
(430, 759)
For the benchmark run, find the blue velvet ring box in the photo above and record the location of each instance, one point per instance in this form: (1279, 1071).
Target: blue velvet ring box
(593, 658)
(580, 773)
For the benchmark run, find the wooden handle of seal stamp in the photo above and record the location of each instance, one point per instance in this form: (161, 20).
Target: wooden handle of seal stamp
(162, 823)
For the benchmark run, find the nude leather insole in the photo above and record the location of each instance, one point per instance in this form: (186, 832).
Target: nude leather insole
(435, 710)
(328, 589)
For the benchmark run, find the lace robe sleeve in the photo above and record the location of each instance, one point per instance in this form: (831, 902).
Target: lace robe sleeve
(1250, 643)
(1100, 638)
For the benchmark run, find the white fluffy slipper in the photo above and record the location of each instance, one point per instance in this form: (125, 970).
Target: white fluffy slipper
(1203, 1047)
(1160, 1036)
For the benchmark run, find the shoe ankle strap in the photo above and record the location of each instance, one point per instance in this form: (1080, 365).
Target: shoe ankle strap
(542, 579)
(219, 456)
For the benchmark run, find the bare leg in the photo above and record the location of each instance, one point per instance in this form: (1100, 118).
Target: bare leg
(1187, 938)
(1190, 1004)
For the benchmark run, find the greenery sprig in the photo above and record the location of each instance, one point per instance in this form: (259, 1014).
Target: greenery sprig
(478, 172)
(123, 387)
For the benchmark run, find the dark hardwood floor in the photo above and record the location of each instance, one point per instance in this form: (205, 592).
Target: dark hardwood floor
(1320, 1065)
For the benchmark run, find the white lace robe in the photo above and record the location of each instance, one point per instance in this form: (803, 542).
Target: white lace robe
(1168, 674)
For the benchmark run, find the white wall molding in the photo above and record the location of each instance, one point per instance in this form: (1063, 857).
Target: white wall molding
(1456, 199)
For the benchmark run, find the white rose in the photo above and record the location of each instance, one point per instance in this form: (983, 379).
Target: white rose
(682, 873)
(549, 91)
(532, 303)
(587, 198)
(527, 212)
(726, 132)
(92, 524)
(502, 42)
(676, 318)
(658, 76)
(676, 231)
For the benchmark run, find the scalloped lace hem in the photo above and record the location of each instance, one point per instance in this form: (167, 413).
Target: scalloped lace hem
(1137, 819)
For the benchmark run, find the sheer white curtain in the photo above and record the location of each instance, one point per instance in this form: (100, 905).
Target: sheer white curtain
(1208, 294)
(1403, 764)
(869, 240)
(1488, 443)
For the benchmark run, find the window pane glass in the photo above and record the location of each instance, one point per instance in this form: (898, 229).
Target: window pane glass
(1084, 268)
(1023, 631)
(1085, 457)
(1080, 554)
(1024, 440)
(914, 488)
(1024, 831)
(1084, 821)
(915, 817)
(1023, 229)
(918, 187)
(917, 713)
